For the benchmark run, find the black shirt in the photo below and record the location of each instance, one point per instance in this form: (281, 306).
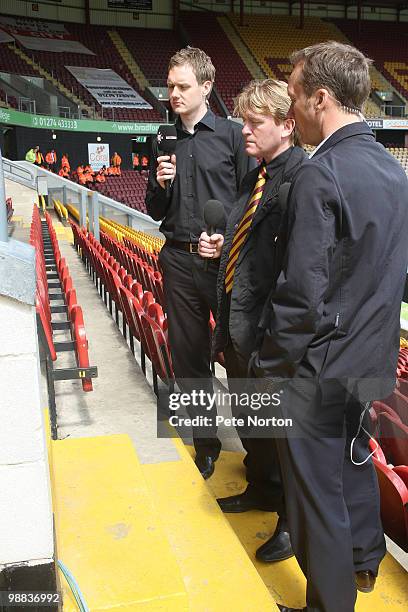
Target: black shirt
(211, 164)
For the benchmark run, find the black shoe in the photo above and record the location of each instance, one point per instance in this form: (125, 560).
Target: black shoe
(286, 609)
(245, 501)
(206, 465)
(365, 581)
(277, 548)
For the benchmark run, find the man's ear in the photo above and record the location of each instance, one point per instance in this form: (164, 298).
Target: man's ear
(288, 127)
(207, 86)
(322, 97)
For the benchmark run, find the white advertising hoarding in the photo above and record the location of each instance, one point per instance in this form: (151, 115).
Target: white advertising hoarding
(98, 155)
(108, 88)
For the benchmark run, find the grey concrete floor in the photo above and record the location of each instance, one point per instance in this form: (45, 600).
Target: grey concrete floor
(122, 400)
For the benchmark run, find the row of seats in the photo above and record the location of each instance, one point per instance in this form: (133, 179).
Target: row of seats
(142, 316)
(401, 155)
(272, 38)
(231, 72)
(390, 56)
(390, 423)
(129, 188)
(43, 306)
(143, 272)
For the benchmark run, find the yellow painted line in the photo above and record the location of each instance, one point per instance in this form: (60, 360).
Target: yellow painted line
(218, 574)
(108, 533)
(285, 579)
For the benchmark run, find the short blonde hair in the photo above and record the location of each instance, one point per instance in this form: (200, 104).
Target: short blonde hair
(199, 61)
(268, 97)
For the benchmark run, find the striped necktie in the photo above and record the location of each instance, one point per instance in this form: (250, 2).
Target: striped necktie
(243, 228)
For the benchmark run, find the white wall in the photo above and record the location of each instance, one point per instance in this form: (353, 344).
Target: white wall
(26, 532)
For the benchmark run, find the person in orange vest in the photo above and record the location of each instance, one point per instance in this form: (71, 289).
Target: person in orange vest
(88, 176)
(116, 160)
(65, 162)
(104, 170)
(100, 177)
(51, 159)
(89, 170)
(64, 172)
(39, 157)
(136, 161)
(111, 171)
(145, 161)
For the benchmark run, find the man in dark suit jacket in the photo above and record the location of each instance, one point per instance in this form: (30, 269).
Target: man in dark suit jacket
(332, 324)
(269, 136)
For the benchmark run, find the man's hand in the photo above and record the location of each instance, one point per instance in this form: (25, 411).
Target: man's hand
(166, 169)
(210, 246)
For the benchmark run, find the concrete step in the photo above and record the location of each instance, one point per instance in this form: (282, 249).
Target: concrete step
(108, 533)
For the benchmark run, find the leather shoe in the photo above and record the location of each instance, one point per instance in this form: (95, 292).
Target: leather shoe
(365, 581)
(243, 502)
(206, 465)
(277, 548)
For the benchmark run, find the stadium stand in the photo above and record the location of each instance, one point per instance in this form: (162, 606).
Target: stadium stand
(129, 188)
(390, 56)
(231, 72)
(142, 47)
(124, 268)
(96, 39)
(400, 154)
(273, 38)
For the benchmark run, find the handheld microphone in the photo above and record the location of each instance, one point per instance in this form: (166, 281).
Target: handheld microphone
(167, 141)
(214, 216)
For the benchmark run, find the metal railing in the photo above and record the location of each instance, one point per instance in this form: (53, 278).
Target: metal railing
(391, 110)
(88, 202)
(18, 173)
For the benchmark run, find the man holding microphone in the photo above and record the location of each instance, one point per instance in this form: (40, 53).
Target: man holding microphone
(250, 263)
(209, 163)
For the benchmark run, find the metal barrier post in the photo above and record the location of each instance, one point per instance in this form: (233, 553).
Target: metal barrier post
(3, 207)
(90, 212)
(82, 209)
(95, 207)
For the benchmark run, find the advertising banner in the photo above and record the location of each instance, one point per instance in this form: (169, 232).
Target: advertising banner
(108, 88)
(41, 36)
(98, 155)
(9, 116)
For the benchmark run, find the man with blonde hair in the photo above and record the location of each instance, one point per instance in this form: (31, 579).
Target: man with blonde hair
(250, 263)
(210, 163)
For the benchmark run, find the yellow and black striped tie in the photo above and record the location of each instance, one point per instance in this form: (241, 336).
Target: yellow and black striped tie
(243, 228)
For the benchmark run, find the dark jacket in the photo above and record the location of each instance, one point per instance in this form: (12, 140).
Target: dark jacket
(259, 261)
(335, 313)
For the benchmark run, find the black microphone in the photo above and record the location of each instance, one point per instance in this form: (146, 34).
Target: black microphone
(214, 217)
(167, 141)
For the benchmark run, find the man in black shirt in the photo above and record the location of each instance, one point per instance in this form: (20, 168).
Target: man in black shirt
(210, 163)
(251, 260)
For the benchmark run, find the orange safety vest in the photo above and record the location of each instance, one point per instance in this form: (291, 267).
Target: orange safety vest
(65, 162)
(50, 158)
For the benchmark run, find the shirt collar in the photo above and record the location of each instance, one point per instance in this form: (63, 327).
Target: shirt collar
(277, 161)
(320, 145)
(208, 121)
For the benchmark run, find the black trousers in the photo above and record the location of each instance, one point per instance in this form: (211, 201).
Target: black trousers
(190, 293)
(333, 505)
(261, 461)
